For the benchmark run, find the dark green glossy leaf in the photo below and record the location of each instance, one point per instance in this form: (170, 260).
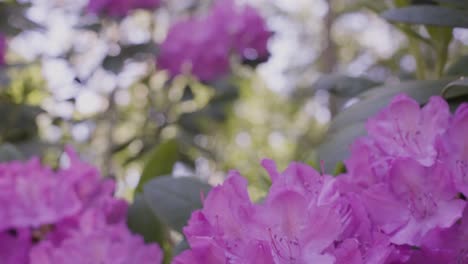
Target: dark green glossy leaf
(336, 146)
(459, 67)
(454, 3)
(423, 2)
(456, 92)
(160, 162)
(116, 63)
(143, 221)
(4, 78)
(37, 148)
(428, 15)
(179, 248)
(373, 100)
(9, 152)
(344, 86)
(13, 19)
(456, 88)
(18, 121)
(174, 199)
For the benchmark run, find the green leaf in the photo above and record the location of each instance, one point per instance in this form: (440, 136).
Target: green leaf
(456, 102)
(160, 162)
(13, 19)
(459, 67)
(441, 37)
(456, 92)
(344, 86)
(428, 15)
(37, 148)
(460, 84)
(18, 121)
(401, 3)
(174, 199)
(454, 3)
(141, 220)
(4, 78)
(9, 152)
(373, 100)
(179, 248)
(336, 146)
(116, 63)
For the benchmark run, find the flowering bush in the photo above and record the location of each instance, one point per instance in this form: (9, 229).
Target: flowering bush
(226, 28)
(65, 216)
(119, 8)
(402, 200)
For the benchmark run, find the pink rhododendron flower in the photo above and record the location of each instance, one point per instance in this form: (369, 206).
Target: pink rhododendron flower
(226, 29)
(404, 130)
(226, 231)
(444, 245)
(456, 149)
(94, 192)
(65, 216)
(15, 246)
(399, 201)
(245, 28)
(205, 54)
(361, 241)
(368, 164)
(298, 222)
(414, 201)
(119, 8)
(32, 195)
(352, 237)
(405, 168)
(111, 244)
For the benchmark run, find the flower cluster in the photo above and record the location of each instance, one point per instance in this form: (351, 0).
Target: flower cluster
(68, 216)
(227, 28)
(119, 8)
(402, 200)
(3, 47)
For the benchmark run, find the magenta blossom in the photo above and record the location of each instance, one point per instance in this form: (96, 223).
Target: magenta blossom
(64, 216)
(246, 29)
(406, 169)
(368, 163)
(107, 245)
(227, 29)
(456, 149)
(205, 54)
(414, 201)
(403, 130)
(119, 8)
(399, 202)
(32, 195)
(15, 246)
(305, 218)
(444, 245)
